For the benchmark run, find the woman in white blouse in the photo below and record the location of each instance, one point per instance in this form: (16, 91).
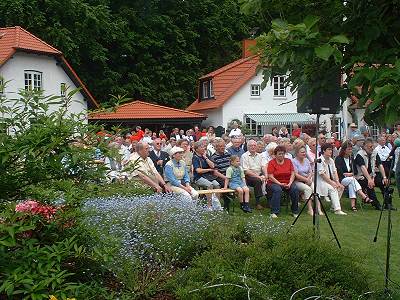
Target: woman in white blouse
(328, 184)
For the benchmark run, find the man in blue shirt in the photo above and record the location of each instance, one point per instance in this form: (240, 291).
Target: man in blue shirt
(236, 148)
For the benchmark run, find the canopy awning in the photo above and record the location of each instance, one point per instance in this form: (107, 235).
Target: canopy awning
(281, 119)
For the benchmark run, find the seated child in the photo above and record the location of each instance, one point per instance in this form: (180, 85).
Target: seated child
(235, 181)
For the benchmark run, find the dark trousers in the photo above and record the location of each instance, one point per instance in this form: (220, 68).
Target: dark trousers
(277, 191)
(371, 192)
(256, 183)
(386, 165)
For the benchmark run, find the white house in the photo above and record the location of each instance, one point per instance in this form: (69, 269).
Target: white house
(234, 92)
(27, 62)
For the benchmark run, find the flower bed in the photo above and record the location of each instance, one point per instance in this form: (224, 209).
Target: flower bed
(151, 235)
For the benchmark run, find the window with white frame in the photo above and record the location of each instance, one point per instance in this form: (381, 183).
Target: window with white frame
(374, 131)
(336, 126)
(279, 86)
(253, 127)
(63, 89)
(255, 90)
(33, 80)
(207, 89)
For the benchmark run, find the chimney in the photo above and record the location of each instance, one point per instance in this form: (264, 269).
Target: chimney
(245, 47)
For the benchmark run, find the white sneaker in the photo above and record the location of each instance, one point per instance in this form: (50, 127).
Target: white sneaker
(341, 213)
(274, 216)
(295, 215)
(209, 208)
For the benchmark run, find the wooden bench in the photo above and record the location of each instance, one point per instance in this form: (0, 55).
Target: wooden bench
(220, 191)
(216, 191)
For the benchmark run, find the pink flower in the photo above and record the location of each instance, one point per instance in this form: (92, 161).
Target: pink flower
(35, 208)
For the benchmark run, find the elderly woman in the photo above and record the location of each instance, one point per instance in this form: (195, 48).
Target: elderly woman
(283, 132)
(187, 155)
(281, 176)
(260, 146)
(311, 150)
(344, 164)
(285, 142)
(211, 132)
(204, 172)
(304, 177)
(328, 183)
(177, 176)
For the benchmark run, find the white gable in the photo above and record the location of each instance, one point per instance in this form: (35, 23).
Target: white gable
(52, 76)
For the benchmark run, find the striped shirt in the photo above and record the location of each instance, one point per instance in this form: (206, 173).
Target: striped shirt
(221, 161)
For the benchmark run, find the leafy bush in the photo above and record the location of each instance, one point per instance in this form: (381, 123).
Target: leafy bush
(33, 258)
(271, 267)
(40, 144)
(144, 239)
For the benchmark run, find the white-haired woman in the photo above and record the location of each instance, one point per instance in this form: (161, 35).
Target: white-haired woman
(268, 154)
(177, 176)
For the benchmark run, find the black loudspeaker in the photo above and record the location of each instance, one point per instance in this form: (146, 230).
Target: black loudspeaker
(325, 101)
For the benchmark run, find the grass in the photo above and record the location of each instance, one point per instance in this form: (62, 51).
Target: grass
(355, 231)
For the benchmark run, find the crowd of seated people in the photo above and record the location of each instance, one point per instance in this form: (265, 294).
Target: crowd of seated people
(276, 164)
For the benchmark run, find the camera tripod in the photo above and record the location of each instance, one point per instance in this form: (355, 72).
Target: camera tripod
(316, 197)
(387, 204)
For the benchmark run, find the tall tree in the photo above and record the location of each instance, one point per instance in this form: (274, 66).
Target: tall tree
(360, 37)
(153, 50)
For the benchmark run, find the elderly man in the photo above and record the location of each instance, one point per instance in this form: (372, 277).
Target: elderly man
(145, 169)
(235, 130)
(221, 160)
(236, 148)
(321, 141)
(353, 131)
(253, 165)
(369, 171)
(267, 138)
(204, 173)
(384, 154)
(171, 144)
(159, 157)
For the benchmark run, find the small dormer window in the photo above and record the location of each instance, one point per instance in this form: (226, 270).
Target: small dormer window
(207, 89)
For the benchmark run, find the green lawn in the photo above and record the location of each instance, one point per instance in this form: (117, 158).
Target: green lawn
(355, 231)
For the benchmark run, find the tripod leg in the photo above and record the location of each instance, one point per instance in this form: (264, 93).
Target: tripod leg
(329, 222)
(389, 235)
(379, 225)
(301, 211)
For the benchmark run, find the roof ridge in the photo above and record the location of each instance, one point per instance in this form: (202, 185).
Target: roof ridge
(229, 66)
(163, 106)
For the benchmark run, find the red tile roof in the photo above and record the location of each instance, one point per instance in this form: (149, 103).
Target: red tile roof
(139, 110)
(17, 38)
(13, 39)
(227, 81)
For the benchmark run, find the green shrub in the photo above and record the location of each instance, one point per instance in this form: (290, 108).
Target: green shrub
(271, 267)
(33, 259)
(40, 145)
